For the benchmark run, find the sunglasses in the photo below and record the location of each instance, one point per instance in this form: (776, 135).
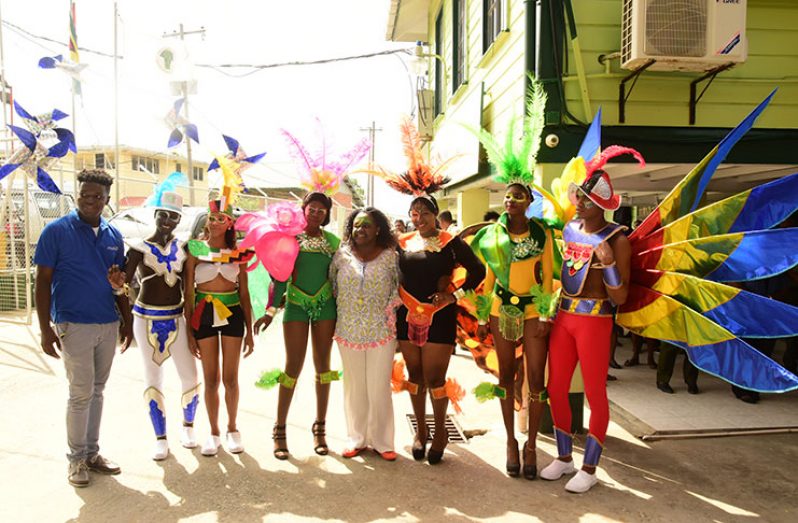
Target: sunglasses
(218, 218)
(168, 216)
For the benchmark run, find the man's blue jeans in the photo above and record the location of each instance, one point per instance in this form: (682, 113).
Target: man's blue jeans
(88, 351)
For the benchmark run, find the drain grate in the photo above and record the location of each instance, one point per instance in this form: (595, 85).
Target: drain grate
(453, 429)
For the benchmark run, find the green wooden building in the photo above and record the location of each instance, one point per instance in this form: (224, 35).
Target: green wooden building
(671, 78)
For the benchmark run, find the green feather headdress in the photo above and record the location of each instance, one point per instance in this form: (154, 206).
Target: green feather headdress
(515, 160)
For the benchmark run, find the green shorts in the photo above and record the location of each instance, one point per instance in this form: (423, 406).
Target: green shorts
(294, 312)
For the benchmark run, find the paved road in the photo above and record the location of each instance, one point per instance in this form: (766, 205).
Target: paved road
(726, 479)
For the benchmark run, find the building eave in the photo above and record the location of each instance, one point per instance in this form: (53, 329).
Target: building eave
(407, 21)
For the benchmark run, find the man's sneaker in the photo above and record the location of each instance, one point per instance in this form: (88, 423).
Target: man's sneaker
(556, 469)
(102, 465)
(234, 444)
(187, 437)
(581, 483)
(78, 475)
(211, 446)
(161, 450)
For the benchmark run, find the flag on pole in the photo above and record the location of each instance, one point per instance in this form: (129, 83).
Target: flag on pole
(74, 55)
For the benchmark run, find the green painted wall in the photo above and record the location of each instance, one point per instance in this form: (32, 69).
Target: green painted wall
(501, 68)
(661, 98)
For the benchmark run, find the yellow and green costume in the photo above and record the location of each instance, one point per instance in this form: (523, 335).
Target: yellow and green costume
(519, 276)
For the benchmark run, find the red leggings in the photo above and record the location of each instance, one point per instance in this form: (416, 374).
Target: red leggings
(586, 339)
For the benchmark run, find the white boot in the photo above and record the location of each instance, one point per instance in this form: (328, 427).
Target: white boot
(211, 446)
(187, 437)
(581, 483)
(557, 469)
(161, 450)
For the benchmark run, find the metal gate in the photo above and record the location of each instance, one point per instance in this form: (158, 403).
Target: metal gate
(16, 251)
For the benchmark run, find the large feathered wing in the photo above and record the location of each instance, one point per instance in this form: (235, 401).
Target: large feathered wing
(681, 254)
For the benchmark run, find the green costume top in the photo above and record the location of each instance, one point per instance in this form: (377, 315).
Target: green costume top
(520, 268)
(309, 286)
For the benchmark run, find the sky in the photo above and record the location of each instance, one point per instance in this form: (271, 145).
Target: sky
(248, 104)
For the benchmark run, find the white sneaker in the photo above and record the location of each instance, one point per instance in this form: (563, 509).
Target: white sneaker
(187, 437)
(234, 445)
(211, 446)
(556, 469)
(161, 450)
(581, 483)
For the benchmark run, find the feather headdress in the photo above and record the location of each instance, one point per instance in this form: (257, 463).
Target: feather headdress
(232, 186)
(420, 178)
(515, 161)
(596, 183)
(167, 187)
(319, 173)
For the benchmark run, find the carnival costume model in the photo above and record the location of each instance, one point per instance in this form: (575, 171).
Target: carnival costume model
(670, 288)
(158, 323)
(426, 321)
(595, 277)
(517, 298)
(218, 307)
(301, 277)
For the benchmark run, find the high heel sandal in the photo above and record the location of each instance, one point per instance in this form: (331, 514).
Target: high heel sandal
(320, 447)
(419, 448)
(434, 456)
(513, 469)
(280, 450)
(530, 465)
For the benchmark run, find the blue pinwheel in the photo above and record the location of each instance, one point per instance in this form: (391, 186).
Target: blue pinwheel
(58, 62)
(180, 125)
(238, 155)
(43, 144)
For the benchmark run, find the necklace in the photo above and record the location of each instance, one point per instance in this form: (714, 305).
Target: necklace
(314, 244)
(419, 243)
(526, 248)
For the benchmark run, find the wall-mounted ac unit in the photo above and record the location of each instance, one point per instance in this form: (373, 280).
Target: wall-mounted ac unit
(683, 35)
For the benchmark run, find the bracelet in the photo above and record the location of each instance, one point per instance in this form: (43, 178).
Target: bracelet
(458, 294)
(612, 277)
(122, 291)
(271, 311)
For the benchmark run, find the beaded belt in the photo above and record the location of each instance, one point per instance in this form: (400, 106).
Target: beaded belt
(587, 306)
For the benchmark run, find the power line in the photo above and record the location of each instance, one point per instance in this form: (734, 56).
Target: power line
(261, 67)
(53, 40)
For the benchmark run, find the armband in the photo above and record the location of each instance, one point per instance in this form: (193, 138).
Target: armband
(612, 277)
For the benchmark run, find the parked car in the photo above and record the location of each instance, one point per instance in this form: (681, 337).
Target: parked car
(43, 208)
(139, 222)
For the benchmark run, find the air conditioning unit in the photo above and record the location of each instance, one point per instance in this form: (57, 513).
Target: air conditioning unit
(683, 35)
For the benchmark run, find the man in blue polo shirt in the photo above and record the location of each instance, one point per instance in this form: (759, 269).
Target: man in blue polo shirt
(73, 257)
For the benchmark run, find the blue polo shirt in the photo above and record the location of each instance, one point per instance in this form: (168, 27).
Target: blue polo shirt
(80, 260)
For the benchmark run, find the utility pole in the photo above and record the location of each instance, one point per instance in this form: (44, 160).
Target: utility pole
(116, 104)
(372, 130)
(181, 33)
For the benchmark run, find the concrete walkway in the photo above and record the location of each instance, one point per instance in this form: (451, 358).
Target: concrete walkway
(721, 479)
(714, 409)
